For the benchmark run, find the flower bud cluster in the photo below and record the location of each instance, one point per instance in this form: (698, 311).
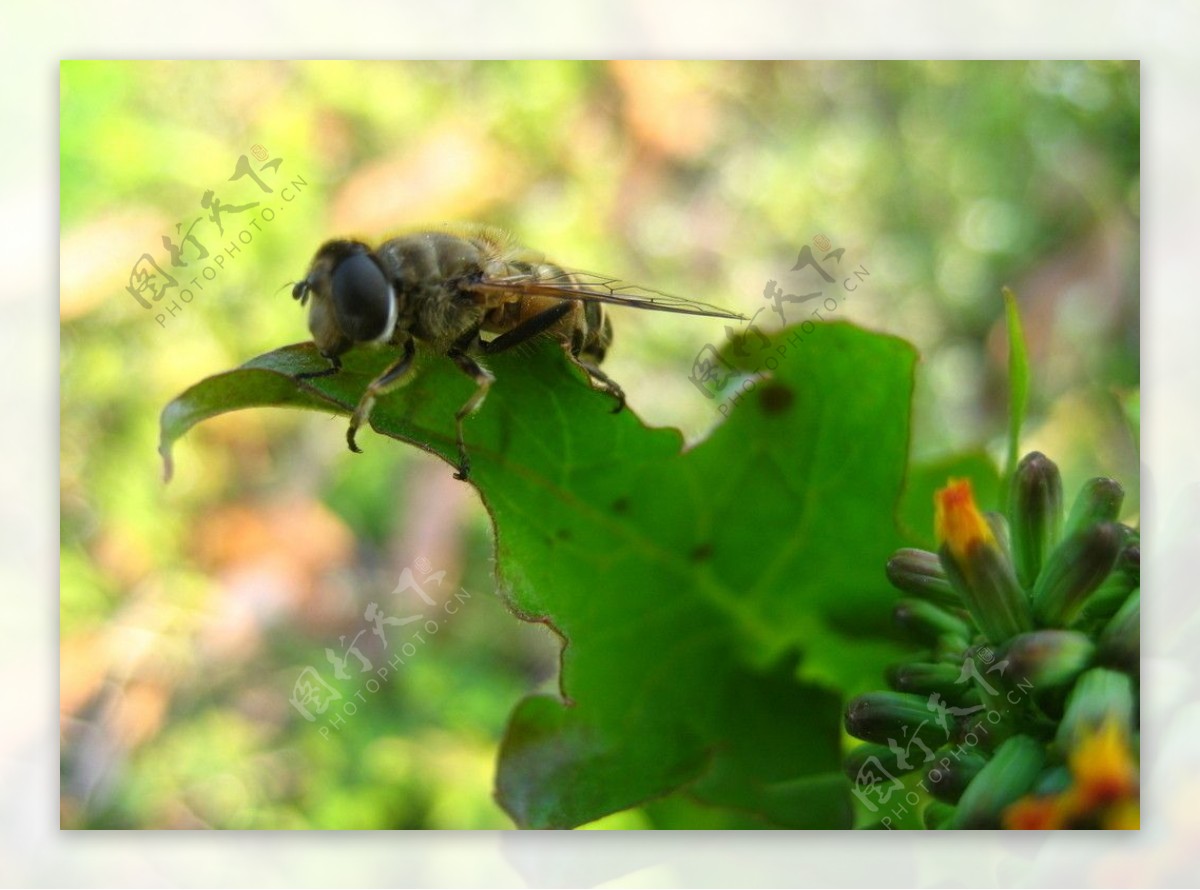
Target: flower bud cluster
(1021, 710)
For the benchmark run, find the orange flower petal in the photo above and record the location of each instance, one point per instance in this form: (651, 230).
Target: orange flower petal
(1103, 766)
(958, 522)
(1037, 813)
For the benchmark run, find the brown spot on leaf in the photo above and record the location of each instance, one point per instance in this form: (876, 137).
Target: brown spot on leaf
(775, 398)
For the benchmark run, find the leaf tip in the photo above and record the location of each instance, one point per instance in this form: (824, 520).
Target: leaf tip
(168, 463)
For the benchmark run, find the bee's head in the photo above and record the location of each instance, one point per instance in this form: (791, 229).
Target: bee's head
(352, 299)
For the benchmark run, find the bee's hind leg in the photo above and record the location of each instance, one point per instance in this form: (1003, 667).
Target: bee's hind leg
(395, 376)
(605, 382)
(529, 328)
(588, 355)
(541, 323)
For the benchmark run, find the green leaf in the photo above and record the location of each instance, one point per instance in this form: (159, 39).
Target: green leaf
(684, 584)
(1018, 379)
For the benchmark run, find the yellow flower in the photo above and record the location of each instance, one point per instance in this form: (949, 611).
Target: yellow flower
(979, 570)
(1103, 792)
(1034, 813)
(1103, 766)
(958, 522)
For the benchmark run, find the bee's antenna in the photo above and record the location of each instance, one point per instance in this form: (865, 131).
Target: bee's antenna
(299, 290)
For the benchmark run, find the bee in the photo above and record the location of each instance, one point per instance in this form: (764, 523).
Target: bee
(466, 294)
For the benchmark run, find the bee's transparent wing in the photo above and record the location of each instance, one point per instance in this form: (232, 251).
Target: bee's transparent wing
(588, 286)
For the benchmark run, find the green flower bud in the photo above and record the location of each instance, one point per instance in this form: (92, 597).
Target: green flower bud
(1099, 696)
(951, 771)
(1121, 639)
(1035, 507)
(923, 678)
(1009, 775)
(998, 523)
(986, 583)
(893, 716)
(948, 649)
(1074, 571)
(867, 758)
(1098, 501)
(919, 573)
(930, 624)
(936, 814)
(1047, 658)
(1113, 591)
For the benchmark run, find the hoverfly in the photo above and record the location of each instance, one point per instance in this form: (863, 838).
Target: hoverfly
(464, 293)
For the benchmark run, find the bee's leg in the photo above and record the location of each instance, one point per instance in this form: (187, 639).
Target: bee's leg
(529, 328)
(394, 377)
(605, 382)
(542, 322)
(335, 365)
(483, 380)
(589, 363)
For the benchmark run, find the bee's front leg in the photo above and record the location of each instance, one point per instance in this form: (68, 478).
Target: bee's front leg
(394, 377)
(335, 365)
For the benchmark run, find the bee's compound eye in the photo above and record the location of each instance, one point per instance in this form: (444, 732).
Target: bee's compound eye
(361, 298)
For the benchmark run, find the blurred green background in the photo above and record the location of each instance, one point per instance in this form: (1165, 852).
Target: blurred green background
(189, 610)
